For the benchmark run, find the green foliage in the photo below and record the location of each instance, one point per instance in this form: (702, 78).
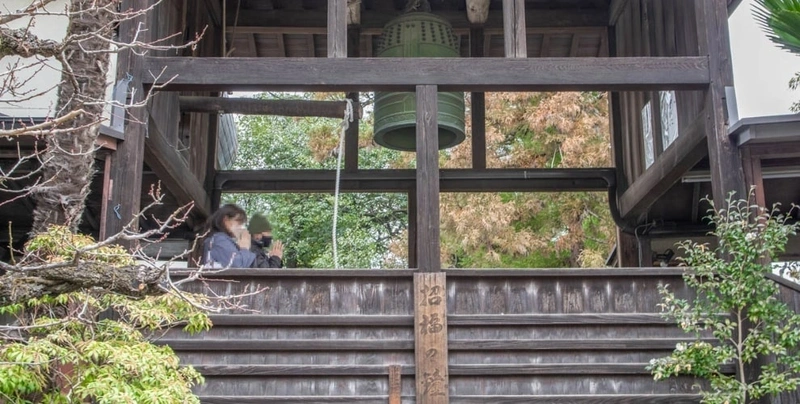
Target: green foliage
(366, 223)
(60, 244)
(780, 19)
(736, 305)
(94, 346)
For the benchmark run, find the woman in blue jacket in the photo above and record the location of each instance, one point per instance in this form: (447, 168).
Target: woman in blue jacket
(228, 242)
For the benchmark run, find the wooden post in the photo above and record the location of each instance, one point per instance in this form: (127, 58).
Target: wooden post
(430, 330)
(395, 384)
(627, 250)
(125, 190)
(478, 105)
(726, 162)
(430, 302)
(412, 229)
(427, 180)
(514, 30)
(337, 28)
(351, 135)
(211, 153)
(107, 167)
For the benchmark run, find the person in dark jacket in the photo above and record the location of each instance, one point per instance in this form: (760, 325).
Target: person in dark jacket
(228, 243)
(261, 233)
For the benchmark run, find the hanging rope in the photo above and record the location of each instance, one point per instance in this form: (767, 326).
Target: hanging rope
(348, 117)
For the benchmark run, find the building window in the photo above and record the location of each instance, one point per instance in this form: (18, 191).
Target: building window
(647, 134)
(669, 117)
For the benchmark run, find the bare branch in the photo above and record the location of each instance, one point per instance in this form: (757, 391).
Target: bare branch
(42, 128)
(26, 12)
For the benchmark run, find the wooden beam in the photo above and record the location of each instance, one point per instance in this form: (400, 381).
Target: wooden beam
(430, 335)
(174, 173)
(125, 180)
(724, 157)
(478, 105)
(211, 154)
(337, 28)
(252, 106)
(412, 229)
(683, 154)
(451, 180)
(351, 135)
(514, 32)
(450, 74)
(458, 19)
(427, 175)
(616, 8)
(252, 47)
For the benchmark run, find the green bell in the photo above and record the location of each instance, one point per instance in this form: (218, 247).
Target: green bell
(417, 34)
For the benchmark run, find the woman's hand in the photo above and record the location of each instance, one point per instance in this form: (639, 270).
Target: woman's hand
(244, 240)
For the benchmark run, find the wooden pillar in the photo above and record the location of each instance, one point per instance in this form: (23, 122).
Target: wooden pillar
(514, 30)
(125, 182)
(412, 229)
(337, 28)
(427, 180)
(430, 329)
(430, 303)
(478, 106)
(107, 167)
(726, 163)
(627, 250)
(351, 135)
(211, 153)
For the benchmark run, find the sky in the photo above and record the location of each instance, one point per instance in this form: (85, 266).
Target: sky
(761, 70)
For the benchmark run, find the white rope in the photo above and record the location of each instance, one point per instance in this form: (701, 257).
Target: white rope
(348, 117)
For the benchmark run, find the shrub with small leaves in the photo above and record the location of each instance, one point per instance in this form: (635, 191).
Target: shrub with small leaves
(93, 345)
(738, 306)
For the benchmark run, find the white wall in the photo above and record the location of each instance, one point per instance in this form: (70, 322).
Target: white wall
(761, 70)
(45, 27)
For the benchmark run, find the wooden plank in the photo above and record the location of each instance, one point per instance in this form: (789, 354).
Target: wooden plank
(725, 160)
(450, 74)
(471, 399)
(427, 179)
(488, 320)
(514, 29)
(294, 399)
(253, 106)
(451, 180)
(562, 17)
(581, 399)
(493, 369)
(686, 151)
(124, 196)
(430, 336)
(395, 384)
(337, 28)
(566, 272)
(302, 345)
(261, 320)
(667, 344)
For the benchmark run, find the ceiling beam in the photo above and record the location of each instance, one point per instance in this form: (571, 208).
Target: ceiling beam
(450, 74)
(458, 19)
(451, 180)
(254, 106)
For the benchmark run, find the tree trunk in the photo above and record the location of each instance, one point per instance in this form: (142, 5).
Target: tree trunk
(69, 159)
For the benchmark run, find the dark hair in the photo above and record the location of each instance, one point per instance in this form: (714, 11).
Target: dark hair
(216, 222)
